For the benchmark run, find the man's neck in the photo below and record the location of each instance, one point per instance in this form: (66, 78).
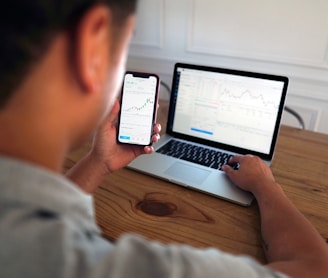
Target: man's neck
(37, 153)
(33, 140)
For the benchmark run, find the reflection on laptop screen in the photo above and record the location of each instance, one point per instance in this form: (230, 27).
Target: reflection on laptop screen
(227, 108)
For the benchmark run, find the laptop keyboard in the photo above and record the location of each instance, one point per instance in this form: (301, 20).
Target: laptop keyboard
(196, 154)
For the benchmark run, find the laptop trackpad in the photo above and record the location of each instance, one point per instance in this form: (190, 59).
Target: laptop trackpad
(188, 173)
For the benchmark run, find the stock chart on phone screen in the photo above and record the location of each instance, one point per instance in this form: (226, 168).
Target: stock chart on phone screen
(236, 110)
(137, 109)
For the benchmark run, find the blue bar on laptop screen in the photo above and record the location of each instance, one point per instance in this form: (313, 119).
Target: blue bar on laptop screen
(202, 131)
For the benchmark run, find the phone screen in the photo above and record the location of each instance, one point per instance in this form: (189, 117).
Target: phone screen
(138, 108)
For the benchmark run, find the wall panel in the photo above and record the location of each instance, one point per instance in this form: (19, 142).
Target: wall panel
(281, 31)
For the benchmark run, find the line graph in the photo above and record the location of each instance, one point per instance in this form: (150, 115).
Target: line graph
(148, 103)
(252, 92)
(249, 97)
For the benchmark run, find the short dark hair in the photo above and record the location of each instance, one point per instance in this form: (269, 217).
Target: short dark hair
(27, 28)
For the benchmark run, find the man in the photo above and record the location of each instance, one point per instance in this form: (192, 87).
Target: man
(61, 65)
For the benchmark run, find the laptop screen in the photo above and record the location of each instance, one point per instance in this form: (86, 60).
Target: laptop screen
(225, 107)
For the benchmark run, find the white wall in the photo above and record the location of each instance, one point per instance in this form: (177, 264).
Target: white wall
(288, 37)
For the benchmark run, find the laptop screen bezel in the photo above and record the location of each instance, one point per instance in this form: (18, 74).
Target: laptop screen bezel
(234, 149)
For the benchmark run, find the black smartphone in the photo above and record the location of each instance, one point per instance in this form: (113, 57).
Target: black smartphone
(137, 116)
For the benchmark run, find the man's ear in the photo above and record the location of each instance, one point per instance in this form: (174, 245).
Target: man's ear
(91, 48)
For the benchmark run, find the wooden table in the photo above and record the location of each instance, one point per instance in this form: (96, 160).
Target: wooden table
(131, 202)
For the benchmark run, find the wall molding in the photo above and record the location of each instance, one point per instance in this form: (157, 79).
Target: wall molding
(234, 46)
(151, 34)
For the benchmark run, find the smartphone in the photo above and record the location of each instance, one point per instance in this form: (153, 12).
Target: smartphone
(137, 116)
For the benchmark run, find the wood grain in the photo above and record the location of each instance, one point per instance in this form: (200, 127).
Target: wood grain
(129, 202)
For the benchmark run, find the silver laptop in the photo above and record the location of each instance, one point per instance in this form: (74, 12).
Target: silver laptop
(215, 113)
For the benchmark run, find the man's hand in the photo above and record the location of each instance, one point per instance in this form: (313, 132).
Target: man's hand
(106, 149)
(253, 174)
(106, 155)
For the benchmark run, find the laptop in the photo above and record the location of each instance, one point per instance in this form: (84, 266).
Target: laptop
(216, 113)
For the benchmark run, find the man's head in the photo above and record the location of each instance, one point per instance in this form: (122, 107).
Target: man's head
(61, 66)
(28, 26)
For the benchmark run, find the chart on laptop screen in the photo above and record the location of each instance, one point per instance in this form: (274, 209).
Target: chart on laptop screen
(230, 109)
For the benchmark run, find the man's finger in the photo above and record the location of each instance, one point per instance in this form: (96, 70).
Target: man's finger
(113, 113)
